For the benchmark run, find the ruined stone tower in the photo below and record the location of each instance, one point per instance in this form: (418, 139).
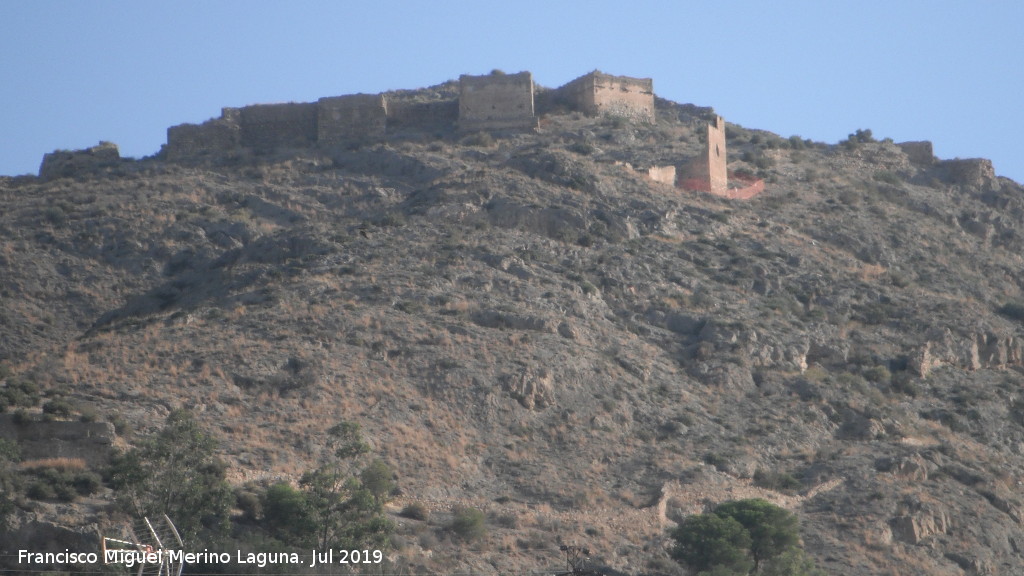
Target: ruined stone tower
(708, 171)
(496, 101)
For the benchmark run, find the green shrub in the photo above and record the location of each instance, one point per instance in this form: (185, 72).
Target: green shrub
(582, 148)
(59, 407)
(40, 490)
(468, 523)
(416, 511)
(778, 481)
(877, 374)
(86, 483)
(857, 138)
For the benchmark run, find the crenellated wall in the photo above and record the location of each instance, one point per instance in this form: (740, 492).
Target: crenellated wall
(598, 94)
(496, 101)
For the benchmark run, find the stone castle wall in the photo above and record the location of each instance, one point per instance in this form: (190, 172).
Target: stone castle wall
(422, 116)
(90, 441)
(213, 137)
(496, 101)
(361, 117)
(599, 94)
(269, 126)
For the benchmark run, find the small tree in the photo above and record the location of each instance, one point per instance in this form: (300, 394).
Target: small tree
(344, 510)
(707, 541)
(773, 530)
(176, 472)
(742, 537)
(286, 515)
(377, 478)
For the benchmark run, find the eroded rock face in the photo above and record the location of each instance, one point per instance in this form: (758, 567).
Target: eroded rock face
(919, 521)
(979, 350)
(532, 389)
(912, 529)
(913, 468)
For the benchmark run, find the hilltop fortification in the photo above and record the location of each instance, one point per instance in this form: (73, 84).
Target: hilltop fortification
(491, 102)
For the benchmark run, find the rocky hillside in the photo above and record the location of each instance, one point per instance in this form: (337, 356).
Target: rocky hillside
(524, 324)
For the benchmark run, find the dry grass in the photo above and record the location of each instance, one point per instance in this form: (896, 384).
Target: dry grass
(70, 464)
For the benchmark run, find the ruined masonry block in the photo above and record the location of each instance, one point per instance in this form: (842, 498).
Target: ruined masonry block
(64, 163)
(496, 101)
(918, 152)
(598, 94)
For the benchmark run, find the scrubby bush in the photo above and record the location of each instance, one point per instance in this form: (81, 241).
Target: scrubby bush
(59, 407)
(857, 138)
(779, 481)
(416, 511)
(468, 523)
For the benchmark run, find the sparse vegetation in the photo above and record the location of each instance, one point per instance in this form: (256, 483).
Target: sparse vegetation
(513, 319)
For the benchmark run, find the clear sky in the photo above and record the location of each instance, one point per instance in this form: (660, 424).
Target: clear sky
(76, 72)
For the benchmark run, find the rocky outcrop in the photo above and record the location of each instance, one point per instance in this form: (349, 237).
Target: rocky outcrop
(914, 528)
(913, 468)
(979, 350)
(919, 521)
(532, 389)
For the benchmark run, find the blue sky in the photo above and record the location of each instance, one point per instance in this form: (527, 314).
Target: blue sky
(77, 72)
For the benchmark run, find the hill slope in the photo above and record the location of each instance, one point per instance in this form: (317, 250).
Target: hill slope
(526, 325)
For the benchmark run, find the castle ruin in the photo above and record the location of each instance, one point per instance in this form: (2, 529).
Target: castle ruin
(491, 102)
